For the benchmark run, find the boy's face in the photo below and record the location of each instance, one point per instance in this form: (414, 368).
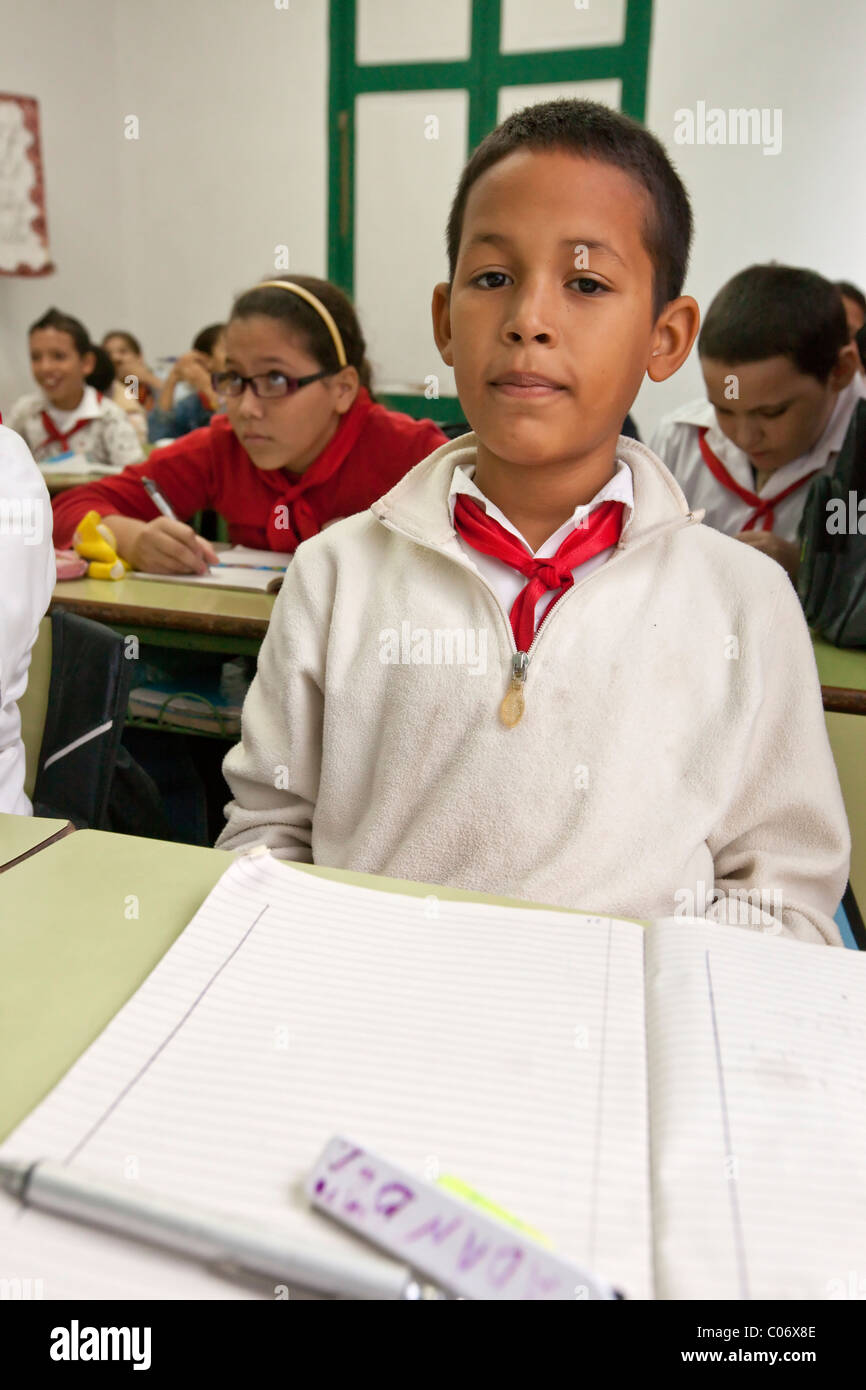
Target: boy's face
(779, 412)
(58, 367)
(552, 281)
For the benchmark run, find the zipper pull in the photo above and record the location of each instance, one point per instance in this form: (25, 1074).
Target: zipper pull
(513, 703)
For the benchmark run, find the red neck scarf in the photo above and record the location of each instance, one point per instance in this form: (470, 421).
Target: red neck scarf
(55, 436)
(602, 530)
(292, 519)
(764, 506)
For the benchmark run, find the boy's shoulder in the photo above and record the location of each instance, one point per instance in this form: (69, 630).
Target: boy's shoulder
(697, 412)
(26, 407)
(110, 410)
(744, 578)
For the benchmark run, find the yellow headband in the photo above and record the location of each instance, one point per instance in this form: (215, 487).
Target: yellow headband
(319, 307)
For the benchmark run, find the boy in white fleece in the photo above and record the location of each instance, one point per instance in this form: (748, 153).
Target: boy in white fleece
(528, 669)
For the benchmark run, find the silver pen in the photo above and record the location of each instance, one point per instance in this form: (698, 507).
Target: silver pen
(159, 501)
(229, 1245)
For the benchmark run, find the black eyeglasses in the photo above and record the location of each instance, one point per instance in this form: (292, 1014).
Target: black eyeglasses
(268, 386)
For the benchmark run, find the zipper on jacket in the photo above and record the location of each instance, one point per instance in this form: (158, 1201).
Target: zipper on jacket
(513, 703)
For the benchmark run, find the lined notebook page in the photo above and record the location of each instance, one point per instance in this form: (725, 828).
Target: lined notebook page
(757, 1065)
(504, 1046)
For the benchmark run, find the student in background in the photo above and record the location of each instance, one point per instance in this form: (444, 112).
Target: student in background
(26, 582)
(782, 382)
(854, 304)
(302, 442)
(513, 673)
(103, 380)
(124, 349)
(169, 418)
(69, 413)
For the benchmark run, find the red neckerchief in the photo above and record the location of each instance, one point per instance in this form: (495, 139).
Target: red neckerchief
(601, 530)
(303, 522)
(53, 434)
(764, 506)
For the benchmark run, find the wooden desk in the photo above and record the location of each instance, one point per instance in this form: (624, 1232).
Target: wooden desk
(843, 677)
(172, 615)
(83, 923)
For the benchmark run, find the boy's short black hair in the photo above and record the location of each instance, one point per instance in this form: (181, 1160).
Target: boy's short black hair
(594, 131)
(65, 323)
(207, 339)
(851, 292)
(777, 311)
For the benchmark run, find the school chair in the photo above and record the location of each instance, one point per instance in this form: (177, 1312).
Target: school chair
(72, 717)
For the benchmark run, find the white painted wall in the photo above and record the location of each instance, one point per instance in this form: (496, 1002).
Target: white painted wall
(805, 206)
(158, 234)
(231, 95)
(62, 52)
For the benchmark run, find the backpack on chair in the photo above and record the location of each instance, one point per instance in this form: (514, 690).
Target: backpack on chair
(832, 578)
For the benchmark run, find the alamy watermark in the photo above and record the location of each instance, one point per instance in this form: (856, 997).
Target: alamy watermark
(438, 646)
(740, 907)
(22, 516)
(737, 126)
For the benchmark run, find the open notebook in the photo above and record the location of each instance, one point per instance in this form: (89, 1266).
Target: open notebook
(239, 568)
(680, 1108)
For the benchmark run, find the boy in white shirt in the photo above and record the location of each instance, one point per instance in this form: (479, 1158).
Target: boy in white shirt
(640, 730)
(26, 582)
(70, 415)
(782, 382)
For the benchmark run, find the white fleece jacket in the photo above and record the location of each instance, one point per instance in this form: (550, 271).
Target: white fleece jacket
(673, 742)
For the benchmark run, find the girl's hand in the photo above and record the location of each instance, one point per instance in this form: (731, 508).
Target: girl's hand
(192, 369)
(166, 546)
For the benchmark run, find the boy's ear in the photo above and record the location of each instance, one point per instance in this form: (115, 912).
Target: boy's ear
(88, 362)
(441, 309)
(673, 335)
(847, 364)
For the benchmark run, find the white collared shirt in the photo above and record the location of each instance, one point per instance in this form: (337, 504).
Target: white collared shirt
(87, 409)
(675, 442)
(508, 582)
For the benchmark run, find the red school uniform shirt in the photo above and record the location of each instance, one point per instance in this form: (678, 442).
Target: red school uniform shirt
(371, 450)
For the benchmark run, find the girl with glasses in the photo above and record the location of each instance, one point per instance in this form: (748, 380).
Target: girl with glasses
(301, 444)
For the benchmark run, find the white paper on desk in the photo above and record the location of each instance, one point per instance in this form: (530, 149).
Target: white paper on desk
(77, 466)
(222, 577)
(242, 555)
(757, 1085)
(504, 1046)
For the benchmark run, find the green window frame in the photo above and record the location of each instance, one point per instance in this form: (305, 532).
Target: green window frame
(481, 74)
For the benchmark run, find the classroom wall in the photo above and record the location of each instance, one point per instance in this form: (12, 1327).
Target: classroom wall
(804, 206)
(144, 232)
(79, 152)
(147, 233)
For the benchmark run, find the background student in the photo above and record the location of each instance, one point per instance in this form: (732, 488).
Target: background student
(69, 414)
(583, 739)
(103, 380)
(125, 351)
(26, 581)
(854, 304)
(302, 443)
(782, 382)
(170, 418)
